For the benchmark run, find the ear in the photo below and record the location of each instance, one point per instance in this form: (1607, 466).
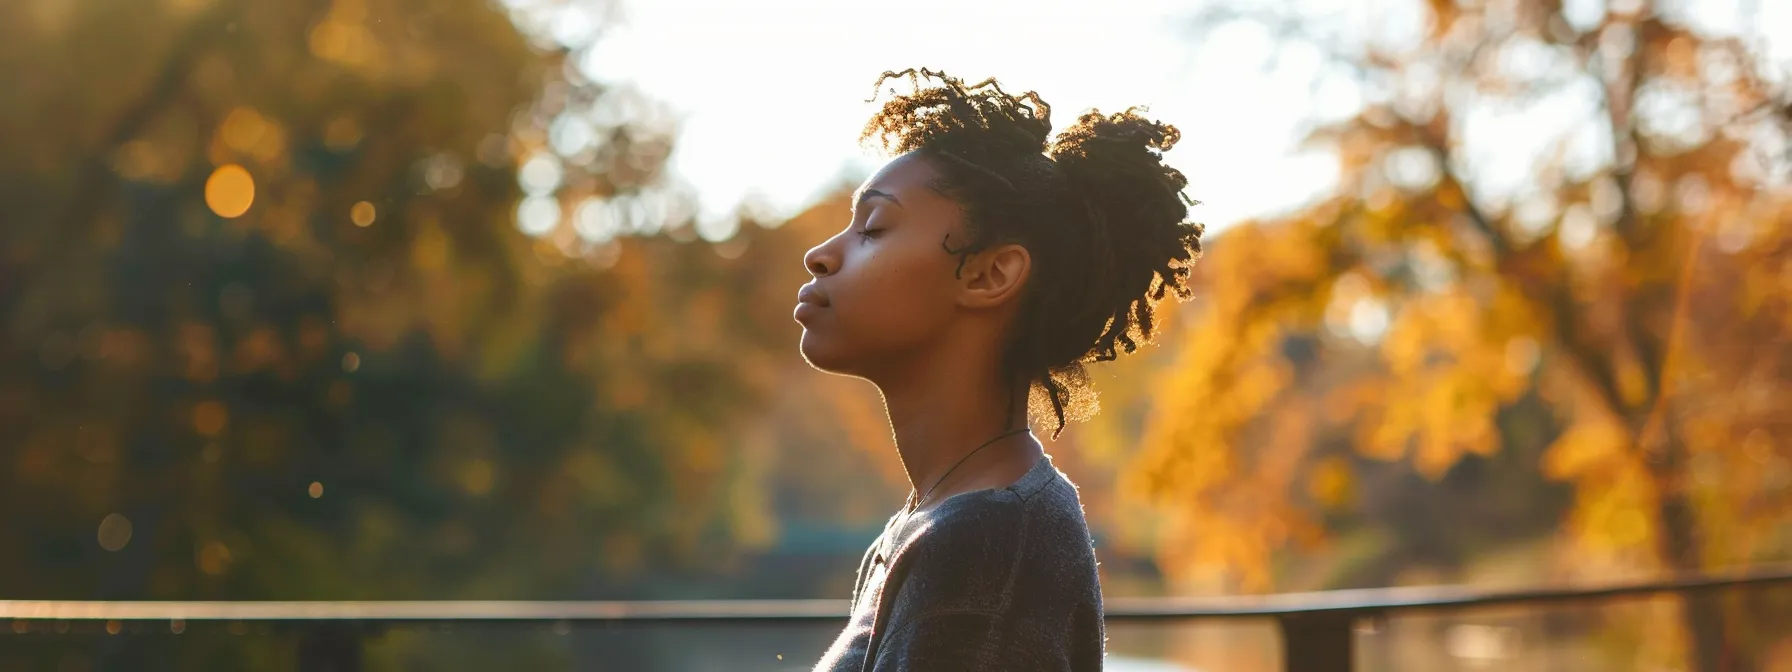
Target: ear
(995, 276)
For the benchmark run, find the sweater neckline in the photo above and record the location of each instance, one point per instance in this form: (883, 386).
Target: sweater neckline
(1025, 486)
(1037, 477)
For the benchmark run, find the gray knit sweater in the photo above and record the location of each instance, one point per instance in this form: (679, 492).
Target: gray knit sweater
(987, 580)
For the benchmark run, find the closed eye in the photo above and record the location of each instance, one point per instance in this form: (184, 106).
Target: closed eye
(870, 233)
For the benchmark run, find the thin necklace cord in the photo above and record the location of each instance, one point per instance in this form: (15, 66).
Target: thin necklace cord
(942, 478)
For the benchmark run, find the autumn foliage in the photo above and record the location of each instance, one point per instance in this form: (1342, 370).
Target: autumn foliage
(1622, 313)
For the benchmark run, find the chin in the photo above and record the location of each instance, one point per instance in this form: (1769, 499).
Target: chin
(818, 354)
(827, 355)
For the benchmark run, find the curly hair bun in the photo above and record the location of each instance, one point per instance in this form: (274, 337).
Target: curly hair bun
(1139, 215)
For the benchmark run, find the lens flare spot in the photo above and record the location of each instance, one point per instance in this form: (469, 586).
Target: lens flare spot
(363, 214)
(230, 191)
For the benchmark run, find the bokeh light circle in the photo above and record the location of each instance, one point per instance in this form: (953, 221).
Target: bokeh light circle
(115, 532)
(229, 191)
(362, 214)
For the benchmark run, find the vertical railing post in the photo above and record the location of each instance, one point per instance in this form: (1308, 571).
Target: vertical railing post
(330, 647)
(1317, 641)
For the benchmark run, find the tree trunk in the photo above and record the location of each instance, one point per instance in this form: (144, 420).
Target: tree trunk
(1701, 613)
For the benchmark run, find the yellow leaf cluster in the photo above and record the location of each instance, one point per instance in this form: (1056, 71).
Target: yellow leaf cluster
(1447, 373)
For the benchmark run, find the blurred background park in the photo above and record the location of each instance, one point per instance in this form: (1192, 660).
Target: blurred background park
(470, 299)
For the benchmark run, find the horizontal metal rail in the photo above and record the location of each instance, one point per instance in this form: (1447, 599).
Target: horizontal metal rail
(1420, 598)
(1370, 600)
(1317, 627)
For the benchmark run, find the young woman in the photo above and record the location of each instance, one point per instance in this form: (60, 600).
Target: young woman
(983, 266)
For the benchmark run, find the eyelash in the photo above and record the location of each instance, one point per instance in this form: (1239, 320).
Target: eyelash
(865, 231)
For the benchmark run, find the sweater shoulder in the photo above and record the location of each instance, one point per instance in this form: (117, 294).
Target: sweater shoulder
(972, 552)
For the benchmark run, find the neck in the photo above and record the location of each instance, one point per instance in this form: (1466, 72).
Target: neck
(948, 404)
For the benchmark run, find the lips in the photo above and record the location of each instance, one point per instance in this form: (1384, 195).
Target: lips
(809, 303)
(811, 295)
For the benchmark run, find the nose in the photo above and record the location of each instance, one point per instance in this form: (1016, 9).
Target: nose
(821, 260)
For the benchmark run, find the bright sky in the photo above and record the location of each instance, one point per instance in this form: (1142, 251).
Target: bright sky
(771, 94)
(773, 91)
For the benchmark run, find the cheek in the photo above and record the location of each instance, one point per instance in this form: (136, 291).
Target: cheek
(901, 299)
(885, 309)
(894, 316)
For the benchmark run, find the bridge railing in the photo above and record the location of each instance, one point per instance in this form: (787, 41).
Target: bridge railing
(1318, 630)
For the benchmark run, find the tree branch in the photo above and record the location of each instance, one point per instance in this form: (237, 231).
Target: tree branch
(95, 168)
(1551, 299)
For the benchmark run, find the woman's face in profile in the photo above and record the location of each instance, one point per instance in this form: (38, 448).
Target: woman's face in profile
(883, 287)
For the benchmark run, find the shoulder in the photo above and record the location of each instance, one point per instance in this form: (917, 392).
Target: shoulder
(997, 579)
(984, 525)
(967, 531)
(997, 519)
(969, 553)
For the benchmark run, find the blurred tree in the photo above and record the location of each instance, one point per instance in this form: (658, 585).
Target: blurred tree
(368, 299)
(293, 310)
(1553, 227)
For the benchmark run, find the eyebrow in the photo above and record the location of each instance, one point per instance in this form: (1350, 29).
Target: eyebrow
(868, 194)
